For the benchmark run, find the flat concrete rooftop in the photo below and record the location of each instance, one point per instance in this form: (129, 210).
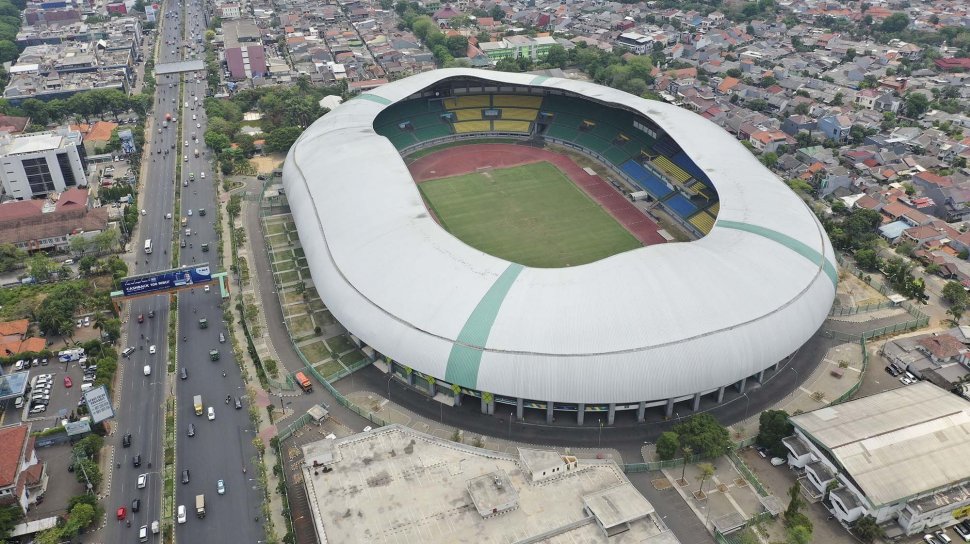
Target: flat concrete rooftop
(396, 485)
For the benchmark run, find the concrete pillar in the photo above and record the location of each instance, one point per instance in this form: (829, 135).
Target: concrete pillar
(484, 406)
(742, 385)
(720, 394)
(488, 408)
(410, 376)
(641, 409)
(519, 408)
(457, 398)
(431, 384)
(697, 401)
(390, 367)
(775, 367)
(580, 413)
(761, 377)
(670, 407)
(611, 415)
(549, 411)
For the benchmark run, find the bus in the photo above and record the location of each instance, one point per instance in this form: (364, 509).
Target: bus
(148, 245)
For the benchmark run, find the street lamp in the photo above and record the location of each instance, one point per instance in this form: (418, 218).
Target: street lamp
(599, 439)
(389, 378)
(797, 380)
(510, 425)
(747, 402)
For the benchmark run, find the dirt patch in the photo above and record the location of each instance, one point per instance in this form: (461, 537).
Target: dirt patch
(265, 164)
(854, 292)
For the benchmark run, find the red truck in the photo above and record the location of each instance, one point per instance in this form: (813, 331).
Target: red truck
(168, 116)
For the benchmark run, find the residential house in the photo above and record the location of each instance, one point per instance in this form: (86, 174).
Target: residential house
(23, 478)
(835, 127)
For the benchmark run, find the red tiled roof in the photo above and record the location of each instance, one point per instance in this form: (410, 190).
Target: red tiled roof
(12, 441)
(10, 348)
(18, 327)
(943, 346)
(930, 177)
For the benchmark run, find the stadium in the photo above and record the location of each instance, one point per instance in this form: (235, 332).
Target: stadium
(409, 201)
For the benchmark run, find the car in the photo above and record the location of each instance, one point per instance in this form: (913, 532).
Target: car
(142, 481)
(136, 460)
(147, 370)
(186, 143)
(238, 403)
(18, 402)
(222, 338)
(151, 349)
(141, 318)
(67, 381)
(135, 505)
(198, 125)
(191, 431)
(905, 381)
(762, 451)
(79, 323)
(38, 409)
(128, 351)
(193, 117)
(188, 232)
(221, 487)
(40, 397)
(212, 413)
(203, 177)
(87, 320)
(144, 211)
(168, 216)
(185, 476)
(189, 212)
(183, 373)
(143, 533)
(891, 370)
(185, 183)
(963, 529)
(182, 243)
(151, 314)
(942, 537)
(185, 158)
(777, 461)
(126, 440)
(43, 362)
(121, 513)
(206, 289)
(930, 539)
(181, 514)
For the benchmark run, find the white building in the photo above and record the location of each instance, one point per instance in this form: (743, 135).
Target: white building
(36, 164)
(897, 456)
(635, 42)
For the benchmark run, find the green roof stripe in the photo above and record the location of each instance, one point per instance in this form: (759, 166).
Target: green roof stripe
(798, 247)
(374, 98)
(466, 353)
(539, 80)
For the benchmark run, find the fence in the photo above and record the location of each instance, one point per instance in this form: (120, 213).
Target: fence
(746, 472)
(657, 465)
(300, 422)
(853, 310)
(865, 366)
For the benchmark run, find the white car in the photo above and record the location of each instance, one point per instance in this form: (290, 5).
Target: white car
(168, 216)
(221, 487)
(198, 125)
(186, 143)
(203, 175)
(181, 513)
(193, 117)
(190, 212)
(206, 289)
(142, 481)
(778, 461)
(147, 370)
(212, 413)
(144, 212)
(151, 349)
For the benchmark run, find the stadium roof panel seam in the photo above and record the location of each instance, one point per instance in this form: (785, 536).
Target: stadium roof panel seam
(651, 323)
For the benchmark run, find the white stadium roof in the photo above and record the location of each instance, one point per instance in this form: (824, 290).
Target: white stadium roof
(657, 322)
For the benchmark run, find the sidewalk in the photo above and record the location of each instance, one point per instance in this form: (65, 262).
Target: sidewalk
(266, 429)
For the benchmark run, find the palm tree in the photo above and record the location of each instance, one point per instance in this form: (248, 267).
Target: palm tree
(707, 470)
(687, 451)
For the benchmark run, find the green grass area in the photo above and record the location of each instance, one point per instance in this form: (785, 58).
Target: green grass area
(352, 358)
(301, 325)
(275, 229)
(288, 277)
(277, 241)
(329, 368)
(317, 305)
(340, 344)
(298, 252)
(315, 351)
(283, 265)
(291, 297)
(532, 215)
(324, 318)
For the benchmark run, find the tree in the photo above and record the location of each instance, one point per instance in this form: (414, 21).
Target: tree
(10, 516)
(557, 56)
(281, 139)
(837, 99)
(956, 313)
(795, 500)
(216, 140)
(868, 259)
(11, 257)
(86, 470)
(89, 446)
(80, 516)
(773, 426)
(867, 529)
(799, 534)
(896, 22)
(707, 470)
(497, 13)
(668, 445)
(916, 104)
(857, 134)
(704, 435)
(41, 267)
(457, 46)
(802, 108)
(954, 293)
(769, 159)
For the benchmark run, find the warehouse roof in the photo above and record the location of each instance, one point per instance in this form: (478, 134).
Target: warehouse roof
(896, 444)
(649, 320)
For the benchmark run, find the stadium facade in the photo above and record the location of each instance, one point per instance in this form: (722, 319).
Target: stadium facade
(645, 329)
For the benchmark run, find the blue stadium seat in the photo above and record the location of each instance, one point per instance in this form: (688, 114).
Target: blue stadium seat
(646, 179)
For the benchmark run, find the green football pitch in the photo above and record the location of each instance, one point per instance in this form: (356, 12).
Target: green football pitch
(531, 214)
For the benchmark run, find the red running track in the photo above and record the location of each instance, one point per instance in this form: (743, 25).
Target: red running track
(466, 159)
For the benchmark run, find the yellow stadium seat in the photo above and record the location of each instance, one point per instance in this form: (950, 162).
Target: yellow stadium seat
(468, 115)
(703, 222)
(511, 126)
(504, 100)
(474, 101)
(670, 169)
(473, 126)
(519, 114)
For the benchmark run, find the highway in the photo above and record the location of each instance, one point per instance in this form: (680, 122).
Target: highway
(221, 448)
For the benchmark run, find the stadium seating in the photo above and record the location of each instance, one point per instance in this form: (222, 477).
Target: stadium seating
(468, 115)
(646, 179)
(516, 101)
(519, 114)
(512, 126)
(473, 101)
(439, 130)
(473, 126)
(670, 169)
(702, 222)
(686, 164)
(681, 205)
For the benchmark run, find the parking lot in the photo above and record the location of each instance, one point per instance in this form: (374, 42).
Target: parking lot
(61, 400)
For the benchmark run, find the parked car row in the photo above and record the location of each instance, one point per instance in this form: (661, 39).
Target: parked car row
(905, 377)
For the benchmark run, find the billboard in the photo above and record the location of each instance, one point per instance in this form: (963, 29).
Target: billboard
(99, 405)
(162, 281)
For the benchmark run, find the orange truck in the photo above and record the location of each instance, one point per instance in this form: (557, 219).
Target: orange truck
(304, 382)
